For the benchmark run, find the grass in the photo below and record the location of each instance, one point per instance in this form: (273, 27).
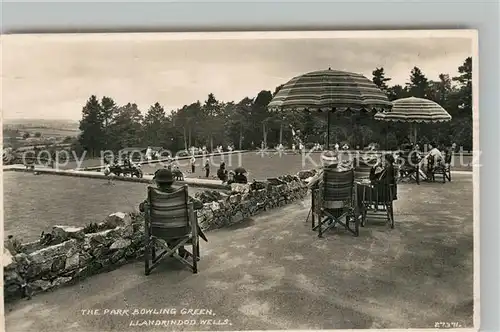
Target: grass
(271, 165)
(33, 204)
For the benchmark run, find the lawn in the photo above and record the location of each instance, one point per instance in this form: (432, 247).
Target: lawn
(258, 167)
(33, 204)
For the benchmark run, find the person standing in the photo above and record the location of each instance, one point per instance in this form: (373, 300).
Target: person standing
(149, 154)
(207, 168)
(193, 164)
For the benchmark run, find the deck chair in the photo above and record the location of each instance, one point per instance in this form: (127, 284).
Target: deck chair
(362, 170)
(409, 166)
(171, 223)
(440, 167)
(377, 200)
(334, 201)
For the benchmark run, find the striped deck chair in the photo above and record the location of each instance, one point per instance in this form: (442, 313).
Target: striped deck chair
(171, 223)
(334, 201)
(362, 169)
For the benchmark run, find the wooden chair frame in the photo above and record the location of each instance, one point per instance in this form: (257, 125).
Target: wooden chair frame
(440, 168)
(406, 172)
(171, 245)
(328, 218)
(374, 203)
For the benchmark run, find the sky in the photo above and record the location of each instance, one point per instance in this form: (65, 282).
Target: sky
(52, 76)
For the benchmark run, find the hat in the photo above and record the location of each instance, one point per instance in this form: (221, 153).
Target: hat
(163, 175)
(389, 157)
(330, 159)
(369, 159)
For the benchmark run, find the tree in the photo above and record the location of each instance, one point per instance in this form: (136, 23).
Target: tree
(397, 92)
(26, 135)
(91, 137)
(212, 117)
(379, 79)
(440, 91)
(250, 121)
(38, 134)
(464, 80)
(126, 130)
(185, 119)
(238, 116)
(154, 125)
(418, 85)
(109, 110)
(277, 89)
(260, 113)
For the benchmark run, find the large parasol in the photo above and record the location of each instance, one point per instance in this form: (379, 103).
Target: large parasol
(414, 110)
(330, 91)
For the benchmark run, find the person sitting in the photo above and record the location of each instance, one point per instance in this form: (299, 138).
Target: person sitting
(383, 170)
(127, 162)
(330, 162)
(410, 158)
(433, 157)
(107, 169)
(383, 174)
(164, 180)
(176, 171)
(222, 172)
(240, 178)
(434, 151)
(377, 170)
(230, 177)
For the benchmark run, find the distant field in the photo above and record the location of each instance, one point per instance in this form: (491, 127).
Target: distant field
(53, 132)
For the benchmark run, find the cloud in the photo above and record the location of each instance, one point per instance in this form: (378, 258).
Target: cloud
(53, 77)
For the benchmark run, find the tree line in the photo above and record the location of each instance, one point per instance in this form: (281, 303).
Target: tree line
(245, 124)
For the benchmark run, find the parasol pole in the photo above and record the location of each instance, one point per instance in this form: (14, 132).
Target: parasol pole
(413, 133)
(328, 130)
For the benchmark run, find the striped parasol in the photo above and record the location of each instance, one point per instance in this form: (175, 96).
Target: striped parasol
(330, 91)
(414, 110)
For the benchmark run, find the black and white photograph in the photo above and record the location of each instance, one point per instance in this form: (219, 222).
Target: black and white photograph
(231, 181)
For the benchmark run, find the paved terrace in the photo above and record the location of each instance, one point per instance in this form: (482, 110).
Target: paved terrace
(272, 272)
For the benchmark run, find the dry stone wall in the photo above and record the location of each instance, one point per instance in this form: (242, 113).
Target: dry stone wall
(68, 254)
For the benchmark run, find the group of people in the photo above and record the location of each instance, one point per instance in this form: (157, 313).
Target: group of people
(204, 150)
(382, 173)
(411, 156)
(206, 166)
(229, 177)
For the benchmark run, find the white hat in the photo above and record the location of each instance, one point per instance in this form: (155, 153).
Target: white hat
(331, 159)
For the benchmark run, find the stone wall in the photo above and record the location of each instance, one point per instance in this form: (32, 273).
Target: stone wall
(68, 254)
